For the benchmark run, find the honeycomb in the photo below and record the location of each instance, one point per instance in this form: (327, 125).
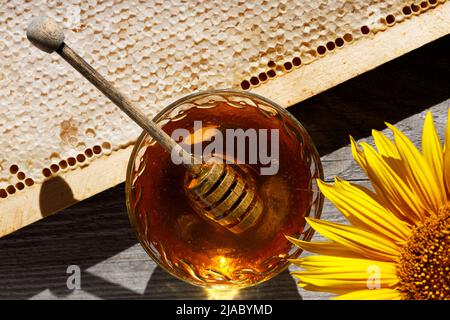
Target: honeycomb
(53, 120)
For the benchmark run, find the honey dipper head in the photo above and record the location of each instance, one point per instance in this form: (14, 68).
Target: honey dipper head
(222, 195)
(45, 34)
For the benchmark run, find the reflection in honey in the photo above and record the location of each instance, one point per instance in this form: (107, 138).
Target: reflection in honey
(199, 250)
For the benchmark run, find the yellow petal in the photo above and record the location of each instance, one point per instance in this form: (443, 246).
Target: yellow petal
(419, 173)
(432, 150)
(358, 155)
(365, 243)
(314, 283)
(395, 192)
(375, 294)
(447, 156)
(340, 275)
(385, 146)
(388, 152)
(311, 287)
(360, 208)
(325, 248)
(323, 264)
(380, 180)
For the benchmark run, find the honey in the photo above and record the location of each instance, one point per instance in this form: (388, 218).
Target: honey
(179, 237)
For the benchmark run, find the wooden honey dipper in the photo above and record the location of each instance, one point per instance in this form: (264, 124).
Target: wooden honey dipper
(220, 193)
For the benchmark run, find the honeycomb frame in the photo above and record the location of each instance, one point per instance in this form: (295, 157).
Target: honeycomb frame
(75, 156)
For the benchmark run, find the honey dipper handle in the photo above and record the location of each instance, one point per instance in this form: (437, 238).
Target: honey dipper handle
(46, 35)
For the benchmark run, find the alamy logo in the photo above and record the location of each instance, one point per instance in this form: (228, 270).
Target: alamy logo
(373, 277)
(74, 279)
(250, 146)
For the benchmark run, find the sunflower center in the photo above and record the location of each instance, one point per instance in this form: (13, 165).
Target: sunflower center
(424, 266)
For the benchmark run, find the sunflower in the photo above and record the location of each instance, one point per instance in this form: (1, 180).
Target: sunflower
(397, 242)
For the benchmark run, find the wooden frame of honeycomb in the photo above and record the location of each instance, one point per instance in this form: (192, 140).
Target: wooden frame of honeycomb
(58, 147)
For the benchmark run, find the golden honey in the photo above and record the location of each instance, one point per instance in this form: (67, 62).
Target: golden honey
(184, 241)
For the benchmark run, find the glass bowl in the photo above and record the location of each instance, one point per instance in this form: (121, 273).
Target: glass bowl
(189, 246)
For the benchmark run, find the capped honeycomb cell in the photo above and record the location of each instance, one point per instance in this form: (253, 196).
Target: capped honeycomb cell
(54, 122)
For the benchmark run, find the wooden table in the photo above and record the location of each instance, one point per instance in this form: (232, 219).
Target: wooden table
(96, 235)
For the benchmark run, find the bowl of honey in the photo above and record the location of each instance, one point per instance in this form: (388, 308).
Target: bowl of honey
(263, 143)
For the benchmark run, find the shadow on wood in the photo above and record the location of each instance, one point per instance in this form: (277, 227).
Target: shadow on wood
(52, 194)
